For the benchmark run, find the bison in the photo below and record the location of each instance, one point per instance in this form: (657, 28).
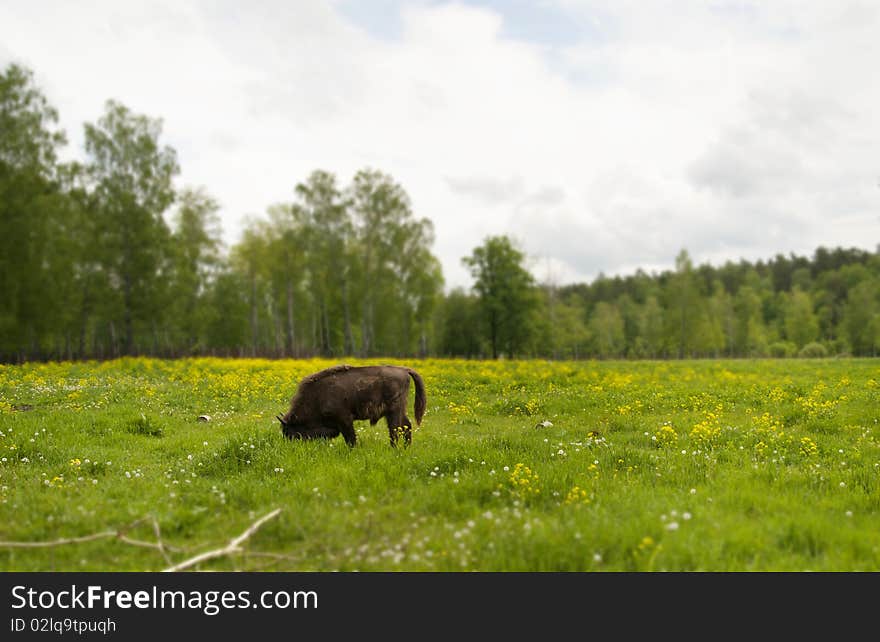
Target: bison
(328, 402)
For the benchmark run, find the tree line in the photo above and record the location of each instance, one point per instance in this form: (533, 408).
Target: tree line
(827, 304)
(105, 257)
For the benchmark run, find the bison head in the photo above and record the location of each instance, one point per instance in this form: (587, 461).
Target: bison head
(293, 429)
(287, 427)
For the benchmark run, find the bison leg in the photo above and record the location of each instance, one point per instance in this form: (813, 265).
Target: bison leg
(393, 431)
(347, 429)
(399, 424)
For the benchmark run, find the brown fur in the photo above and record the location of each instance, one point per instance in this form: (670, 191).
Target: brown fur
(328, 402)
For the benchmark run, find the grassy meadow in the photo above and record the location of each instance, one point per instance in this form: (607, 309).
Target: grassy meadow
(763, 465)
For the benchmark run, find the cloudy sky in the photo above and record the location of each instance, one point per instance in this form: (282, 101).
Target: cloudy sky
(601, 135)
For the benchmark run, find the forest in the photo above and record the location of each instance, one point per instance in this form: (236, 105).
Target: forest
(106, 258)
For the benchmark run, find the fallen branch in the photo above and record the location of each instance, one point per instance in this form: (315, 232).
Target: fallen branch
(60, 542)
(119, 534)
(159, 540)
(234, 546)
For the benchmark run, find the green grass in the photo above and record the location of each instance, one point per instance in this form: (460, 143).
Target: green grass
(648, 466)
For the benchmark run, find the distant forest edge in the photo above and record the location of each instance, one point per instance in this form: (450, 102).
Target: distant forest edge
(106, 258)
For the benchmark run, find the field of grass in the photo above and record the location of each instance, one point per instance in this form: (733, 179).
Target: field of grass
(518, 466)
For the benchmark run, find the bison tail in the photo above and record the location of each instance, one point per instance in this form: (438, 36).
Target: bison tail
(421, 398)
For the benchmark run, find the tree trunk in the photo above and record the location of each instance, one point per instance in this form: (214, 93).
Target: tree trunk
(366, 314)
(315, 323)
(493, 334)
(407, 331)
(366, 331)
(348, 349)
(113, 352)
(84, 321)
(254, 317)
(128, 322)
(325, 328)
(291, 334)
(682, 339)
(156, 341)
(279, 331)
(551, 304)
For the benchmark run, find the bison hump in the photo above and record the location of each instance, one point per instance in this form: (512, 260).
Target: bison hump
(325, 373)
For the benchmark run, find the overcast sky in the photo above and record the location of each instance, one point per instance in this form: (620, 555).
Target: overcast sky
(601, 135)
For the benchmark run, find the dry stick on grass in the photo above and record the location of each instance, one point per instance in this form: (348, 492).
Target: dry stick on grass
(159, 540)
(159, 545)
(60, 542)
(117, 534)
(234, 546)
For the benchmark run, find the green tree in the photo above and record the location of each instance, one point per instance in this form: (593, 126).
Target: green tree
(226, 314)
(460, 320)
(327, 230)
(396, 270)
(720, 310)
(571, 327)
(287, 263)
(560, 330)
(651, 325)
(420, 276)
(196, 245)
(683, 297)
(250, 260)
(708, 339)
(506, 293)
(801, 324)
(31, 212)
(132, 176)
(861, 317)
(750, 332)
(629, 314)
(379, 207)
(607, 329)
(830, 295)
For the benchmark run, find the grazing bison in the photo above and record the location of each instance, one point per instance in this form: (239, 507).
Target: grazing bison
(328, 402)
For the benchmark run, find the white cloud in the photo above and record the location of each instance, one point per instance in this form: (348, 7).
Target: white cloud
(732, 128)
